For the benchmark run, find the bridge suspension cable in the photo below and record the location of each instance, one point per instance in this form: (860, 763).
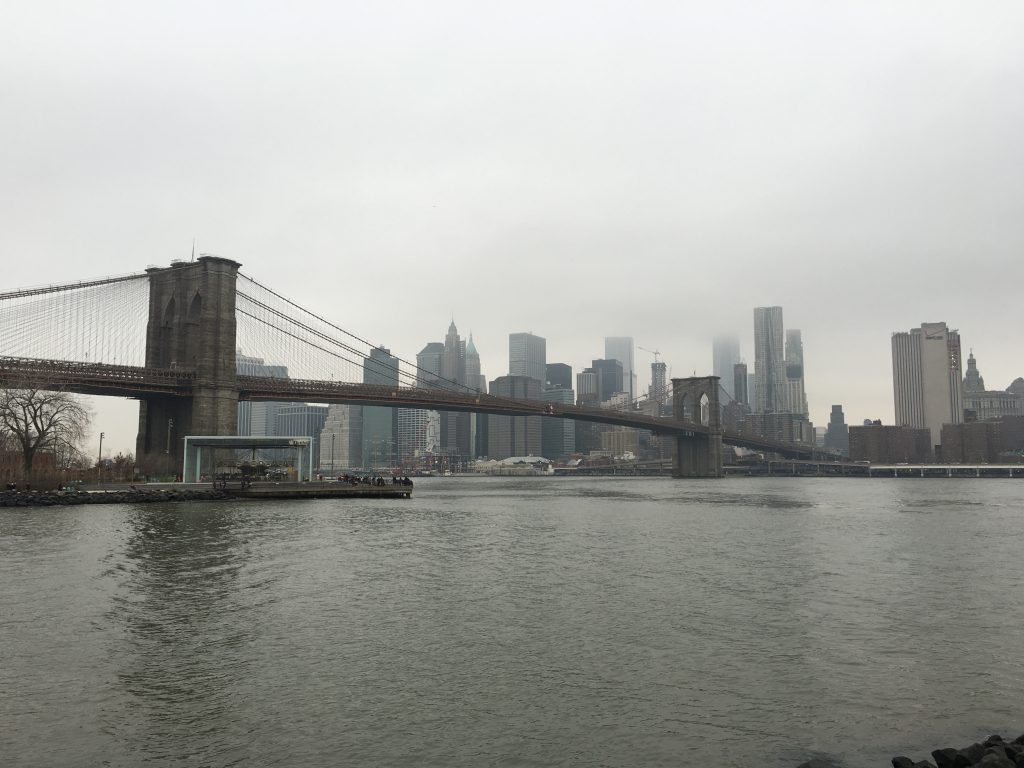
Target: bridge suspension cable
(101, 321)
(278, 331)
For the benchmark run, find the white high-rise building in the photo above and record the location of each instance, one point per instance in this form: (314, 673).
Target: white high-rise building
(621, 348)
(926, 377)
(770, 395)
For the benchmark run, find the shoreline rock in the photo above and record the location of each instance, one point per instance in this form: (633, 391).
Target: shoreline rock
(73, 497)
(994, 752)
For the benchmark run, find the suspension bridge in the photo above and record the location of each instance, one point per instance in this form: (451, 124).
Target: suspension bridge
(168, 337)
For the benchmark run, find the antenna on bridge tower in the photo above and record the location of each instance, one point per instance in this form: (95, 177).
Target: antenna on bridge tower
(193, 249)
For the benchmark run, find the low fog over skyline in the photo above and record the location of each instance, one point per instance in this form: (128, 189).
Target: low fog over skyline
(578, 170)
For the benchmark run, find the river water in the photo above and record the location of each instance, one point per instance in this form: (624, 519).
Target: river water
(518, 622)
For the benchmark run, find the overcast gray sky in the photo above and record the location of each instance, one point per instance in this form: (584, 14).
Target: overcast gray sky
(575, 169)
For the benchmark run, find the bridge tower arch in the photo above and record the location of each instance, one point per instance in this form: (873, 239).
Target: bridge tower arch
(191, 326)
(695, 401)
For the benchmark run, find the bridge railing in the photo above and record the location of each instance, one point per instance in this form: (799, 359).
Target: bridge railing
(68, 373)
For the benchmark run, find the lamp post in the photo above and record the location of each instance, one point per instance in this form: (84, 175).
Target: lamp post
(99, 461)
(332, 453)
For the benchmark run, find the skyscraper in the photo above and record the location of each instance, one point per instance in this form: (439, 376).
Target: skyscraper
(455, 426)
(258, 419)
(838, 434)
(341, 439)
(740, 379)
(559, 375)
(380, 427)
(609, 377)
(515, 435)
(527, 356)
(796, 395)
(303, 419)
(769, 362)
(476, 380)
(621, 348)
(658, 392)
(926, 378)
(419, 431)
(725, 351)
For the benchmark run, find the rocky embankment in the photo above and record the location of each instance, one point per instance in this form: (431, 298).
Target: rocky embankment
(994, 752)
(128, 496)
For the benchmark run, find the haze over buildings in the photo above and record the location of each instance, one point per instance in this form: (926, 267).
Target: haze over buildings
(786, 166)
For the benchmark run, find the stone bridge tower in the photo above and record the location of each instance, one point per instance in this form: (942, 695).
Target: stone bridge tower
(192, 327)
(695, 401)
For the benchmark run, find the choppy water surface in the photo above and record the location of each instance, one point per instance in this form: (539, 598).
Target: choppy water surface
(518, 622)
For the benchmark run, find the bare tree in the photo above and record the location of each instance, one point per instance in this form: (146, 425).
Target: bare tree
(37, 420)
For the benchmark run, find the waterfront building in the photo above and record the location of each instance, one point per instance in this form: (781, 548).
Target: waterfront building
(796, 395)
(984, 405)
(927, 385)
(527, 356)
(341, 439)
(979, 442)
(770, 393)
(380, 425)
(837, 435)
(514, 435)
(419, 434)
(880, 444)
(621, 441)
(558, 436)
(725, 350)
(302, 420)
(621, 348)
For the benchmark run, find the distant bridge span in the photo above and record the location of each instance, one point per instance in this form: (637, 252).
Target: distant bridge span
(189, 382)
(138, 381)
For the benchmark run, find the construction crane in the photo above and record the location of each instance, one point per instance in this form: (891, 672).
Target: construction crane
(652, 351)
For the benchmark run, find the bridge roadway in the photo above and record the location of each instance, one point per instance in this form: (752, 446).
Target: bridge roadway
(133, 381)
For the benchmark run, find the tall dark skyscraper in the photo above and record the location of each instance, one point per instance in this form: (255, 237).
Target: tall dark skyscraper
(559, 375)
(609, 377)
(621, 348)
(380, 427)
(739, 379)
(837, 435)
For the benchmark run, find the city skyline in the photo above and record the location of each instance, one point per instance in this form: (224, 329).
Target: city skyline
(652, 172)
(121, 415)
